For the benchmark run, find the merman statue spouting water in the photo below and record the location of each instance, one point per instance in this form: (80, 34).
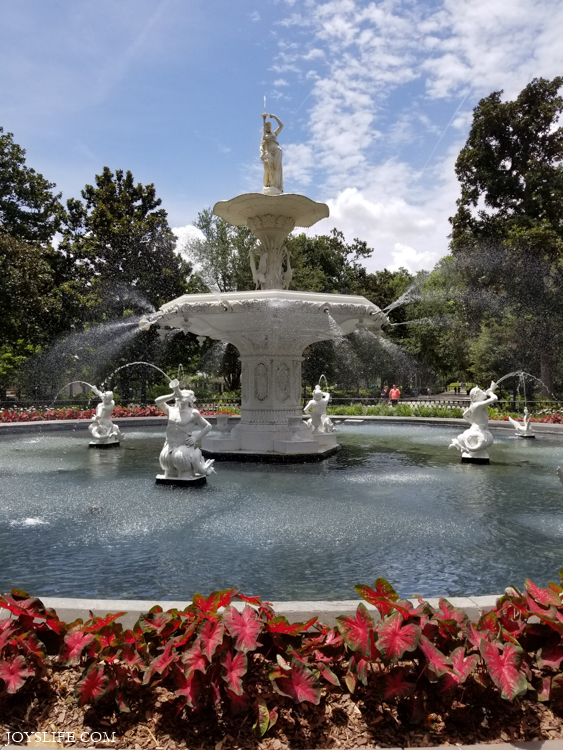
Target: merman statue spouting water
(180, 458)
(523, 428)
(474, 442)
(103, 431)
(319, 421)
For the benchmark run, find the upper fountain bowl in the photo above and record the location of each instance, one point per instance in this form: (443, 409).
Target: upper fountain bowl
(302, 211)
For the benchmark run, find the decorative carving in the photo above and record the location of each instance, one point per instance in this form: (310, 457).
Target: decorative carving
(244, 381)
(283, 385)
(271, 221)
(261, 382)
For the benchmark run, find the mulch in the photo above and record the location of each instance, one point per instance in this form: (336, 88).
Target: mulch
(340, 720)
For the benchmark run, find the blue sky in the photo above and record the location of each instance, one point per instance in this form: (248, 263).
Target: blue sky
(376, 99)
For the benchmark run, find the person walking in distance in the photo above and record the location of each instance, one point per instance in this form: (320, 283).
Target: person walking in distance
(385, 393)
(394, 395)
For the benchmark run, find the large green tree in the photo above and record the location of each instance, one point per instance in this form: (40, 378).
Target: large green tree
(507, 234)
(29, 209)
(118, 236)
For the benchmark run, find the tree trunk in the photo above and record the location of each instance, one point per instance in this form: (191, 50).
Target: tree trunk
(546, 372)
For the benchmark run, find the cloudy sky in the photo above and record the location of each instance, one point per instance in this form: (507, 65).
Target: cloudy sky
(376, 99)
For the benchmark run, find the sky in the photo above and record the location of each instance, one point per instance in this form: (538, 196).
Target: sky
(376, 99)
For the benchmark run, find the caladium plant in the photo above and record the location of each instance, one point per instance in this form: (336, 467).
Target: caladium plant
(215, 651)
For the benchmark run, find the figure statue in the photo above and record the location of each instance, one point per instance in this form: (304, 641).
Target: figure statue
(524, 428)
(319, 421)
(271, 155)
(102, 429)
(474, 442)
(180, 458)
(288, 273)
(258, 274)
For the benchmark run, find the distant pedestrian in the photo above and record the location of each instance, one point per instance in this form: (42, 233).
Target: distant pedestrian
(385, 393)
(394, 395)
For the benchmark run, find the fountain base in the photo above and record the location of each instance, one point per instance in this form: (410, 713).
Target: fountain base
(474, 460)
(271, 457)
(181, 481)
(526, 437)
(108, 444)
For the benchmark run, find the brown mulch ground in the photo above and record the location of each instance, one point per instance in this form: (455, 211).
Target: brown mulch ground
(340, 721)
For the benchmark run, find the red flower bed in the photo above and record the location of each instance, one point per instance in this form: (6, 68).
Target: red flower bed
(36, 415)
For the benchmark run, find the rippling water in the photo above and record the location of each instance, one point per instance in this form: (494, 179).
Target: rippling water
(394, 503)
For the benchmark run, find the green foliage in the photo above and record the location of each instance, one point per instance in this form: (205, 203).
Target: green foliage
(29, 210)
(119, 235)
(401, 410)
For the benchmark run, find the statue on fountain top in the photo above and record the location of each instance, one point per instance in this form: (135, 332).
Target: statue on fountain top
(180, 458)
(319, 421)
(474, 442)
(102, 429)
(271, 156)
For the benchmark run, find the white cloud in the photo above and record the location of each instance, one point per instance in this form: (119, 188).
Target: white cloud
(387, 113)
(184, 235)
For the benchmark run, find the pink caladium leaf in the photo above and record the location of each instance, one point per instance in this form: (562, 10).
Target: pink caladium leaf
(33, 646)
(550, 656)
(359, 666)
(74, 644)
(265, 719)
(300, 684)
(446, 612)
(394, 638)
(188, 687)
(437, 662)
(210, 636)
(504, 668)
(489, 621)
(98, 623)
(21, 604)
(327, 674)
(243, 628)
(396, 685)
(134, 656)
(239, 703)
(208, 605)
(92, 685)
(161, 663)
(234, 669)
(462, 667)
(14, 672)
(358, 631)
(159, 623)
(281, 625)
(195, 659)
(8, 629)
(383, 596)
(546, 597)
(542, 686)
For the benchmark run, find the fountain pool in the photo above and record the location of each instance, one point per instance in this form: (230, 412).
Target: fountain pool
(394, 502)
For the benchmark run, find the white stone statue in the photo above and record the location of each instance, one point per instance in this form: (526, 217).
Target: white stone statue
(102, 429)
(180, 459)
(474, 442)
(319, 421)
(524, 428)
(271, 155)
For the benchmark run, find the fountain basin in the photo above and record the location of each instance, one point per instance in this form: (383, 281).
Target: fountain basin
(394, 502)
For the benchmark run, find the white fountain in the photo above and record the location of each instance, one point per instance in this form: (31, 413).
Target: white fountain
(104, 433)
(270, 326)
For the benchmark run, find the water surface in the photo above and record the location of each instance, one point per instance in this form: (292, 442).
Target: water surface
(394, 502)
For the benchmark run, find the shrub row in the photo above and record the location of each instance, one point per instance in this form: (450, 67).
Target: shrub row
(37, 415)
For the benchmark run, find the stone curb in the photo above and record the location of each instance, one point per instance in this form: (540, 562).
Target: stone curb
(82, 424)
(69, 609)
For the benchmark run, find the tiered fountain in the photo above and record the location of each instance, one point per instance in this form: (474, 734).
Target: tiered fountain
(270, 326)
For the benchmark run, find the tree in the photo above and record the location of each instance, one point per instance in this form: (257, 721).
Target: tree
(512, 163)
(29, 209)
(222, 256)
(507, 234)
(120, 236)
